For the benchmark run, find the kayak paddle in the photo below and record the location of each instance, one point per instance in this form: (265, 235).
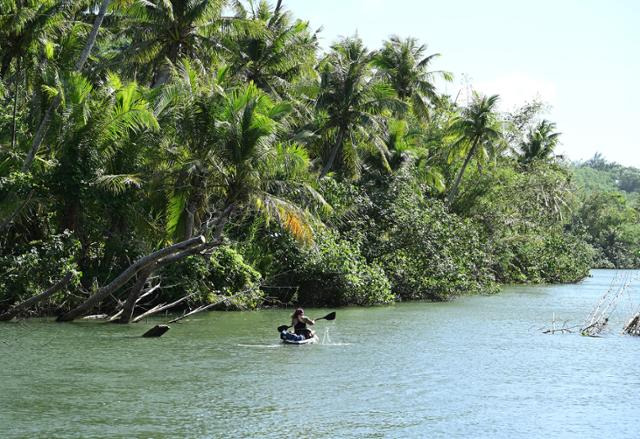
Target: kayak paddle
(330, 316)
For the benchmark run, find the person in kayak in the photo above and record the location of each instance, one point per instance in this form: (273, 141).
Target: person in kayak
(299, 322)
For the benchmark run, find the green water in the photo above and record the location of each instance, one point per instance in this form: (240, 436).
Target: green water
(475, 367)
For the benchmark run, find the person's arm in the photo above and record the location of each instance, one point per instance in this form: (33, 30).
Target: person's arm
(308, 321)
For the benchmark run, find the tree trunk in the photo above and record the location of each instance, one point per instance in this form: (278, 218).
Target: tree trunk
(454, 188)
(334, 153)
(134, 294)
(44, 125)
(35, 299)
(136, 289)
(15, 108)
(127, 274)
(6, 63)
(278, 6)
(162, 75)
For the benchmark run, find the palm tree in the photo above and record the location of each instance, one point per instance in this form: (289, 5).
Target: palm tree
(256, 172)
(84, 55)
(540, 142)
(24, 26)
(350, 104)
(407, 152)
(475, 130)
(273, 58)
(237, 166)
(164, 32)
(404, 65)
(224, 152)
(90, 129)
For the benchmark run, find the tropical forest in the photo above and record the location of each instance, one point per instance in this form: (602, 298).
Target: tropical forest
(199, 154)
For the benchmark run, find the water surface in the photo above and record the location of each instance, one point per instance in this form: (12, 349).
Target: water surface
(475, 367)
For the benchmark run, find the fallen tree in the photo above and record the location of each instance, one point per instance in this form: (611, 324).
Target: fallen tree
(35, 299)
(216, 225)
(172, 253)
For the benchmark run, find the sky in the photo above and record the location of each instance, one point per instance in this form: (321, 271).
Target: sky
(581, 57)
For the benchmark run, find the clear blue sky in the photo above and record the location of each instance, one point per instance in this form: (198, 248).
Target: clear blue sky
(580, 56)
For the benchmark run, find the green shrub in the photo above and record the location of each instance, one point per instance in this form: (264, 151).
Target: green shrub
(331, 272)
(224, 273)
(32, 268)
(550, 257)
(431, 254)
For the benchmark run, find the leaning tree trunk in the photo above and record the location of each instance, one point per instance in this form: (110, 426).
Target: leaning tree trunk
(136, 289)
(35, 299)
(456, 184)
(127, 274)
(46, 121)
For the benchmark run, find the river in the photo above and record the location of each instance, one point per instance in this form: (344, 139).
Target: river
(474, 367)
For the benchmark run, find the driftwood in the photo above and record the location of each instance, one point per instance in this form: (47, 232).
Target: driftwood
(115, 318)
(127, 274)
(135, 293)
(35, 299)
(594, 329)
(136, 289)
(206, 307)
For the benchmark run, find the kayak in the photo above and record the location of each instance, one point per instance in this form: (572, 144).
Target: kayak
(311, 340)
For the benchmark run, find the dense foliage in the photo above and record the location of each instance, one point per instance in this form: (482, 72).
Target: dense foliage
(318, 178)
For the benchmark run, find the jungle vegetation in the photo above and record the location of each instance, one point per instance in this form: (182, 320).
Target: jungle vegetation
(274, 172)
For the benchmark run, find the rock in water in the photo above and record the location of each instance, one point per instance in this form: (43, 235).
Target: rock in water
(156, 331)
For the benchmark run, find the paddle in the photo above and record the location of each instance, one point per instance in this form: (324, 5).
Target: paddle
(330, 316)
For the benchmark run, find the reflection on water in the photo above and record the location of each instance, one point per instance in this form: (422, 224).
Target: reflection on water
(475, 367)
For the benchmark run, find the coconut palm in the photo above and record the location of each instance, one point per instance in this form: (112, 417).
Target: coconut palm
(404, 65)
(475, 131)
(350, 104)
(88, 132)
(540, 142)
(163, 32)
(226, 155)
(79, 64)
(229, 162)
(272, 59)
(407, 152)
(24, 27)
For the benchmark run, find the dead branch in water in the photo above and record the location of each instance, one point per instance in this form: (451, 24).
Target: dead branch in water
(562, 330)
(598, 319)
(159, 308)
(633, 326)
